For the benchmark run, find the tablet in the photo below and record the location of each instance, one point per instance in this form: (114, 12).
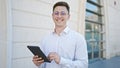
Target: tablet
(37, 51)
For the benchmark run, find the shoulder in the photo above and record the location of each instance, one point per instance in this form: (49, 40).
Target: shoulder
(80, 39)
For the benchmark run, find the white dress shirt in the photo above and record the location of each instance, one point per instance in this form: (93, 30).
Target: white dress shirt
(71, 47)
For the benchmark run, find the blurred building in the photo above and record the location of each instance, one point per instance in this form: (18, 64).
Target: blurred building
(25, 22)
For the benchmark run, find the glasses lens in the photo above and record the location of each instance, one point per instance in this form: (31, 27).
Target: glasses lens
(61, 13)
(56, 13)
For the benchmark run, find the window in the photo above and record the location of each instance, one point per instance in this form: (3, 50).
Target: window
(94, 29)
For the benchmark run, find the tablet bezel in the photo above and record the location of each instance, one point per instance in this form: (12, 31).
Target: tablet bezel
(37, 51)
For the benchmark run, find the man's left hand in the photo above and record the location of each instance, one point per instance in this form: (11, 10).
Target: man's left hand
(54, 56)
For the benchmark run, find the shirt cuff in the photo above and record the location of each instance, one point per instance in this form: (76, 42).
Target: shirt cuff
(62, 61)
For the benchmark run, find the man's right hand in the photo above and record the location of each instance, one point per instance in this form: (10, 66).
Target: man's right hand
(37, 61)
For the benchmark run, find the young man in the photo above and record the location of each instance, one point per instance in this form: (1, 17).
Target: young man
(64, 47)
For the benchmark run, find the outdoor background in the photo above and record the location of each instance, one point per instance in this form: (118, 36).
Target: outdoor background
(25, 22)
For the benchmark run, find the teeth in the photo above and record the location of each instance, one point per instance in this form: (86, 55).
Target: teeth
(59, 19)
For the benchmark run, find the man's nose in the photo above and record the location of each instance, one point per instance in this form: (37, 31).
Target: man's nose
(59, 15)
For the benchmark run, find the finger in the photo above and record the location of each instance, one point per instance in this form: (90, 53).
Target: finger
(52, 53)
(40, 61)
(51, 58)
(34, 57)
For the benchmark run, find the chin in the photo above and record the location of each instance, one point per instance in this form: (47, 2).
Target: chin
(59, 25)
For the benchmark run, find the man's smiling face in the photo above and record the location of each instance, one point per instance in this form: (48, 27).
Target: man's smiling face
(60, 16)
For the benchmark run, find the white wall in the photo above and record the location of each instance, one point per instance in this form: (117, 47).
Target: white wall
(112, 28)
(3, 35)
(32, 20)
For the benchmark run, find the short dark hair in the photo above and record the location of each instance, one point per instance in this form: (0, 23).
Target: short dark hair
(61, 3)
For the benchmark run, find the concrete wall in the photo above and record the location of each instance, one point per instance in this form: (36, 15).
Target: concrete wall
(112, 13)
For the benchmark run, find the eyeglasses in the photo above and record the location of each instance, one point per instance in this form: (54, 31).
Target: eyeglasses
(62, 13)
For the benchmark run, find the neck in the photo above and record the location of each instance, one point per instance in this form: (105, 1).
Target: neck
(58, 30)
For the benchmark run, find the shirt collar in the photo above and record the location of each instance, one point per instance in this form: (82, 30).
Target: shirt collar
(65, 31)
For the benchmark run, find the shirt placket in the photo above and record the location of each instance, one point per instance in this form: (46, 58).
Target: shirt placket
(58, 44)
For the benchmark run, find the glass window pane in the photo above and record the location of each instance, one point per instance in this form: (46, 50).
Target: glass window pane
(96, 27)
(96, 36)
(96, 54)
(88, 26)
(91, 16)
(88, 34)
(92, 7)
